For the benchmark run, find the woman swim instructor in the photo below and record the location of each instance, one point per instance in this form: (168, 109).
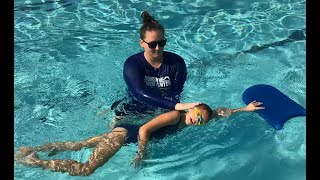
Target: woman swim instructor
(154, 77)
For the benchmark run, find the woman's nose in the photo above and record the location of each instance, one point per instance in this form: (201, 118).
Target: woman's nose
(157, 47)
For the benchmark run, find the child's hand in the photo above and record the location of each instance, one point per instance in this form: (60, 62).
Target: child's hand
(138, 161)
(253, 106)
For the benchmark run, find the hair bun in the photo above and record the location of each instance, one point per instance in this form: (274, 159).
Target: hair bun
(147, 18)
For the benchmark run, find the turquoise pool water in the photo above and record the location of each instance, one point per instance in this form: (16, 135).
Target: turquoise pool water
(68, 58)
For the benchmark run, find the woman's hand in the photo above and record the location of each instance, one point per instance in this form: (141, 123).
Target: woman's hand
(185, 106)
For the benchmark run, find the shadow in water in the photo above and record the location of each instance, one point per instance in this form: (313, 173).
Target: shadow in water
(297, 35)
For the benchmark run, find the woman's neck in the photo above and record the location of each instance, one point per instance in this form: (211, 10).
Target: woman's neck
(154, 62)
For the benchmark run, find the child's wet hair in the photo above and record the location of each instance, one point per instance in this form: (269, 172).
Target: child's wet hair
(207, 108)
(149, 24)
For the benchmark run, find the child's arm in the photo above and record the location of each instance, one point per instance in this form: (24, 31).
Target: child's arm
(160, 121)
(226, 112)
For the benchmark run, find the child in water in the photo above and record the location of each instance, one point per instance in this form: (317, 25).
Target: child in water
(108, 144)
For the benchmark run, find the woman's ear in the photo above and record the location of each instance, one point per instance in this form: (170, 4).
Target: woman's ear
(141, 42)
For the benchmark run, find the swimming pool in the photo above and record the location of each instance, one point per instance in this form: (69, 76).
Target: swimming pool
(68, 58)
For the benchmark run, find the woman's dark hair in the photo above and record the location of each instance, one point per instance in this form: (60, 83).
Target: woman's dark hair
(149, 24)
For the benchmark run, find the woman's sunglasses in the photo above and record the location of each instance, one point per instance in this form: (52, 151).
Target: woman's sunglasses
(153, 44)
(197, 113)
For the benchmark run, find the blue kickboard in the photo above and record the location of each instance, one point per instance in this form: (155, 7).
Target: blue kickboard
(279, 108)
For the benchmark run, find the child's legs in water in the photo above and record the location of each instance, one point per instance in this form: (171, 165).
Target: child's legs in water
(108, 145)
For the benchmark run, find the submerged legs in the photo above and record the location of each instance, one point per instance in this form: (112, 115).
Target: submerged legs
(105, 146)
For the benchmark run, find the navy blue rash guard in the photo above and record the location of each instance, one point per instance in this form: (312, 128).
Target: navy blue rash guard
(159, 87)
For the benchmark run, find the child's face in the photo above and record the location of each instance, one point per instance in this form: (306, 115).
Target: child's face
(193, 119)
